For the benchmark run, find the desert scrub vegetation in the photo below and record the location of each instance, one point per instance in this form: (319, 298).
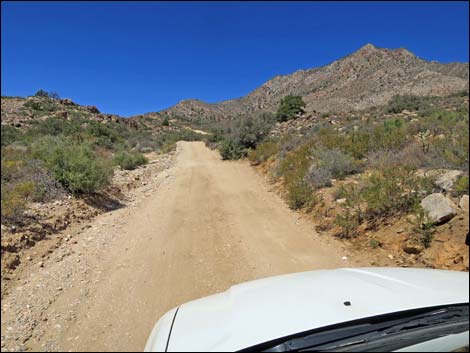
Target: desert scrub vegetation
(290, 107)
(51, 157)
(385, 146)
(14, 199)
(398, 103)
(74, 165)
(393, 191)
(422, 227)
(167, 142)
(293, 169)
(44, 93)
(263, 152)
(129, 160)
(461, 185)
(382, 194)
(239, 136)
(330, 164)
(68, 150)
(24, 179)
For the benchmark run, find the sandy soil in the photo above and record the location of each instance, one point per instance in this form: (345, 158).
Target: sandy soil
(209, 225)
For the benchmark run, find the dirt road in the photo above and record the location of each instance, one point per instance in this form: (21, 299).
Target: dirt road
(210, 224)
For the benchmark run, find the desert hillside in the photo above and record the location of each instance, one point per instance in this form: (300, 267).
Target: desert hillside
(368, 77)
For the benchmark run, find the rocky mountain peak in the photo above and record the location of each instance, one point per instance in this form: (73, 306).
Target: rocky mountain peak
(368, 48)
(368, 77)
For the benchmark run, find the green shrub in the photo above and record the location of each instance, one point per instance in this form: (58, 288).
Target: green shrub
(14, 199)
(328, 164)
(18, 167)
(263, 151)
(10, 134)
(168, 140)
(129, 160)
(384, 194)
(399, 103)
(76, 166)
(249, 131)
(410, 157)
(290, 107)
(461, 185)
(293, 169)
(43, 93)
(300, 194)
(373, 243)
(104, 134)
(229, 149)
(453, 151)
(53, 126)
(243, 134)
(423, 228)
(463, 93)
(390, 135)
(393, 191)
(41, 105)
(348, 221)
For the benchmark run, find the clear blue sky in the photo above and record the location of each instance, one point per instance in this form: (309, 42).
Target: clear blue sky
(135, 57)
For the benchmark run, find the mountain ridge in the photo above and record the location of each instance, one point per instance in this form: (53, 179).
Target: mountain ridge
(367, 77)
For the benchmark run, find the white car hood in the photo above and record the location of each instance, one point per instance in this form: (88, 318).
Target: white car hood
(262, 310)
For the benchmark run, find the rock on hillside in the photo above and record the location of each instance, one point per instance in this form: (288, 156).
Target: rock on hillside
(446, 181)
(439, 208)
(366, 78)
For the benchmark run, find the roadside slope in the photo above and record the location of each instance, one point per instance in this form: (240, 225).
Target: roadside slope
(211, 224)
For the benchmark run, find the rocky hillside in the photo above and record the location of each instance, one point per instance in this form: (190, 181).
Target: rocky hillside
(20, 112)
(24, 112)
(392, 179)
(366, 78)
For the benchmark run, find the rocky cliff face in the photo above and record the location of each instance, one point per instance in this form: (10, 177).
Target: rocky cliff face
(366, 78)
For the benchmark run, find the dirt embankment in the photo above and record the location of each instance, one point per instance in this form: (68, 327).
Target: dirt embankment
(202, 226)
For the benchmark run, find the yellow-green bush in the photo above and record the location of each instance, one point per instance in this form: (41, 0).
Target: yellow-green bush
(293, 169)
(388, 192)
(76, 166)
(300, 193)
(129, 159)
(348, 221)
(461, 185)
(263, 151)
(14, 199)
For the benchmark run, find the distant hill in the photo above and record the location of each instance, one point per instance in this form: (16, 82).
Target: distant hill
(366, 78)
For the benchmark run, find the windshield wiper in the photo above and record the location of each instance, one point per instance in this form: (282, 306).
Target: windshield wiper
(398, 329)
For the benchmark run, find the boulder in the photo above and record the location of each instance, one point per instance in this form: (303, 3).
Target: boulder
(439, 208)
(446, 181)
(62, 114)
(412, 247)
(463, 203)
(92, 109)
(67, 101)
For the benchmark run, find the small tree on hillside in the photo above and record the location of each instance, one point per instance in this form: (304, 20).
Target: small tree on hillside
(290, 107)
(41, 93)
(54, 95)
